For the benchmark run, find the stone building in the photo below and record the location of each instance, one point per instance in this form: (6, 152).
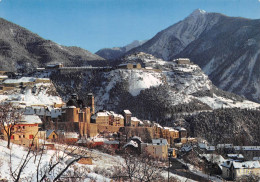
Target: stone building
(232, 169)
(26, 130)
(127, 117)
(157, 149)
(76, 111)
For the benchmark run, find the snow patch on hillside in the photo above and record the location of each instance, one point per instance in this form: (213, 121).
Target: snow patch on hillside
(217, 102)
(33, 96)
(139, 80)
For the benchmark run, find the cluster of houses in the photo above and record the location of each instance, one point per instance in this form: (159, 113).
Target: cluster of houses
(238, 161)
(7, 84)
(79, 118)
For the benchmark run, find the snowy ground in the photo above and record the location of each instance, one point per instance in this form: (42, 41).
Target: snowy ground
(37, 95)
(217, 102)
(102, 163)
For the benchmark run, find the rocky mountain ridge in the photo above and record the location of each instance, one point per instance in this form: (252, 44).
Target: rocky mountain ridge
(226, 48)
(117, 52)
(22, 50)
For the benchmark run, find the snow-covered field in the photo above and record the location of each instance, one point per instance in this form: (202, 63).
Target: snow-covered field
(217, 102)
(29, 173)
(102, 162)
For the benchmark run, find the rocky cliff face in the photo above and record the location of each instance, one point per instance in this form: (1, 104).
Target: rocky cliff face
(22, 50)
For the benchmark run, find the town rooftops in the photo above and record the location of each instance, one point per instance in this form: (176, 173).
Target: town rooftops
(109, 113)
(104, 113)
(214, 158)
(158, 125)
(127, 112)
(159, 141)
(135, 119)
(235, 156)
(30, 119)
(242, 165)
(71, 135)
(48, 133)
(116, 115)
(202, 145)
(186, 148)
(20, 80)
(137, 138)
(247, 148)
(170, 129)
(256, 158)
(227, 146)
(54, 65)
(131, 143)
(210, 148)
(180, 128)
(112, 142)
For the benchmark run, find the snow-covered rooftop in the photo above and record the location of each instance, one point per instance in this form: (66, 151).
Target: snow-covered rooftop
(131, 143)
(127, 112)
(247, 148)
(20, 80)
(135, 119)
(100, 114)
(170, 129)
(137, 138)
(159, 141)
(71, 135)
(238, 156)
(242, 165)
(158, 125)
(30, 119)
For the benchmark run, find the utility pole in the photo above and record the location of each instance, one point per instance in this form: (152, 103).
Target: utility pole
(169, 159)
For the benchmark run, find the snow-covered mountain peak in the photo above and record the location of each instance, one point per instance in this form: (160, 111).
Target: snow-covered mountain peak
(171, 41)
(134, 44)
(197, 16)
(198, 12)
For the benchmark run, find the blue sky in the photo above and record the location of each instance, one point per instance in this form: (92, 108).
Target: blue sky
(95, 24)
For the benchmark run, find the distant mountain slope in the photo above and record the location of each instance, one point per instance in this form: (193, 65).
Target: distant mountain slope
(116, 52)
(21, 49)
(175, 38)
(226, 48)
(230, 54)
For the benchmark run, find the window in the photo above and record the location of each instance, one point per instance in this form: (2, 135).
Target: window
(23, 127)
(23, 136)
